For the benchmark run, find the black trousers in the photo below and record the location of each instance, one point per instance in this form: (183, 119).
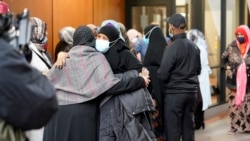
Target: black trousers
(199, 116)
(179, 116)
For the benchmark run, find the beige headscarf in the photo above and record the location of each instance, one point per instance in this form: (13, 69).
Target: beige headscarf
(66, 34)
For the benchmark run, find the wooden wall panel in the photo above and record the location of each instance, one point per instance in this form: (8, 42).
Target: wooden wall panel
(70, 13)
(37, 8)
(109, 9)
(60, 13)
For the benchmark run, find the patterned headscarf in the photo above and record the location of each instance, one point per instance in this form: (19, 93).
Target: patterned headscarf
(39, 31)
(66, 34)
(84, 36)
(39, 34)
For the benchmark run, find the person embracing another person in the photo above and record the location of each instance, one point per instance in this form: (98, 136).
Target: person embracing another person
(80, 84)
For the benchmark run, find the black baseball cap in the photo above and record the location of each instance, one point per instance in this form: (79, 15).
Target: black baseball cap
(177, 20)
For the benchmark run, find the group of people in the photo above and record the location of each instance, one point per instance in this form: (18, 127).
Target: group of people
(111, 84)
(125, 112)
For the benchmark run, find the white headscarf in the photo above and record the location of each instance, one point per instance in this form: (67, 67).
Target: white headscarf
(66, 34)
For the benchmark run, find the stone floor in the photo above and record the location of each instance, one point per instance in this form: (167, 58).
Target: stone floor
(216, 130)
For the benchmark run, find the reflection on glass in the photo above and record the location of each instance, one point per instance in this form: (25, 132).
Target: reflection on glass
(232, 22)
(142, 16)
(212, 34)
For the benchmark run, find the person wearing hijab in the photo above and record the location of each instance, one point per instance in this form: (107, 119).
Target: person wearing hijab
(65, 40)
(79, 84)
(94, 28)
(40, 59)
(152, 60)
(24, 90)
(204, 92)
(134, 123)
(236, 59)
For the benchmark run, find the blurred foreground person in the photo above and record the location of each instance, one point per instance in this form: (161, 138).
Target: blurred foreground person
(27, 99)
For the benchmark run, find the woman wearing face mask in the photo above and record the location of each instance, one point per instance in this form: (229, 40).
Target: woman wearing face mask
(142, 45)
(80, 84)
(134, 37)
(152, 60)
(236, 58)
(123, 117)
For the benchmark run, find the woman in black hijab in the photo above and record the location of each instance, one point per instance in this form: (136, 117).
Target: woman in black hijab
(152, 61)
(121, 60)
(118, 55)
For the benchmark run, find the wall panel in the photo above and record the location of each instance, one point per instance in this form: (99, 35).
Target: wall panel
(71, 13)
(109, 9)
(60, 13)
(40, 9)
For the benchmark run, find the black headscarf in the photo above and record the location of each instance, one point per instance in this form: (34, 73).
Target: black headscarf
(84, 36)
(156, 46)
(110, 31)
(118, 55)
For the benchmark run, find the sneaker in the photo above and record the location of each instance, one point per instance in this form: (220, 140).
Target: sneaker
(232, 131)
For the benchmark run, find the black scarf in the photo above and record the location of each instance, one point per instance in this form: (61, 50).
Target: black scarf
(156, 46)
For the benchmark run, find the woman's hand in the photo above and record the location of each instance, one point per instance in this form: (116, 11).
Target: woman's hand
(45, 72)
(145, 75)
(61, 59)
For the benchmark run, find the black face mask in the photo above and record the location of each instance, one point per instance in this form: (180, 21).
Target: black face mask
(241, 39)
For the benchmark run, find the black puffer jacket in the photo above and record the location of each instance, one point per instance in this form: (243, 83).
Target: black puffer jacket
(123, 117)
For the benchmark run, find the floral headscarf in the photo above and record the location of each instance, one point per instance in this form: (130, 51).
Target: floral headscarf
(39, 34)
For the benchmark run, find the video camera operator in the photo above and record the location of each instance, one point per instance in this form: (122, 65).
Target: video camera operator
(27, 98)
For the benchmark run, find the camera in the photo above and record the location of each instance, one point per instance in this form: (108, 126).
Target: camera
(17, 31)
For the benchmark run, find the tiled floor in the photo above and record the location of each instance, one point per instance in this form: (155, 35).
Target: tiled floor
(216, 130)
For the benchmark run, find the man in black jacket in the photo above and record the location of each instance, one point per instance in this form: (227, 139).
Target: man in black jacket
(179, 71)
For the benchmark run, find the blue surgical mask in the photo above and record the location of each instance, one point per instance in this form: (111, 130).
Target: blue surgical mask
(241, 39)
(146, 40)
(102, 45)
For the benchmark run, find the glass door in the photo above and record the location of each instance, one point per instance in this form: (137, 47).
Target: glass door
(143, 16)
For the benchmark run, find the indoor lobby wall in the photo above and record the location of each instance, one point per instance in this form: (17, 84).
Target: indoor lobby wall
(60, 13)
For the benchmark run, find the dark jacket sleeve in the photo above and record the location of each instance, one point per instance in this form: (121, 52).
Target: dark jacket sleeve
(127, 85)
(130, 61)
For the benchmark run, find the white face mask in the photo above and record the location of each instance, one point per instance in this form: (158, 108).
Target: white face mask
(170, 34)
(134, 40)
(102, 45)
